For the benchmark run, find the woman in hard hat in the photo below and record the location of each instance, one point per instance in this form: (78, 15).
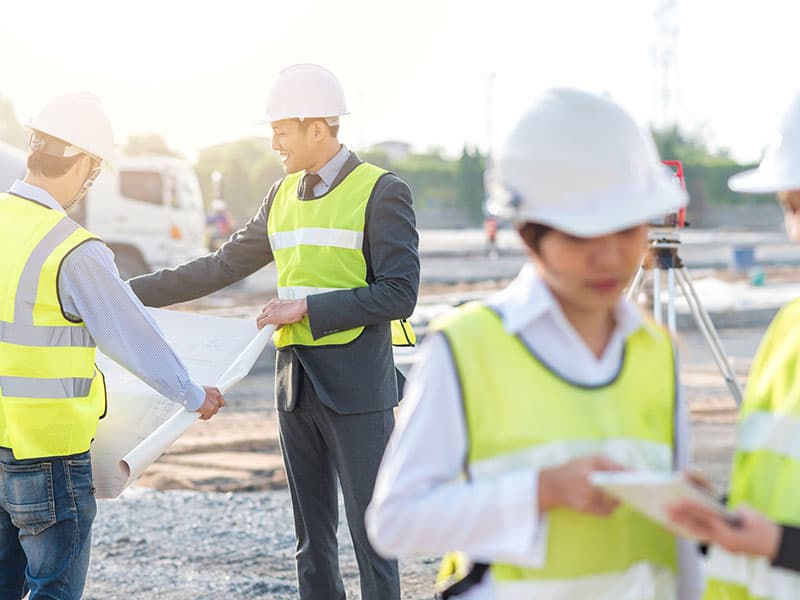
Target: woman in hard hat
(759, 556)
(513, 403)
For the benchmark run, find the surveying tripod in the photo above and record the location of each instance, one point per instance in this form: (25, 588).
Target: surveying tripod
(663, 257)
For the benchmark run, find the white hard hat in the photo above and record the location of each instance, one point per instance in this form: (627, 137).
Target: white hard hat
(306, 90)
(780, 168)
(77, 118)
(580, 163)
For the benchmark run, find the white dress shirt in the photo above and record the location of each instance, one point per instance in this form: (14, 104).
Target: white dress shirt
(420, 503)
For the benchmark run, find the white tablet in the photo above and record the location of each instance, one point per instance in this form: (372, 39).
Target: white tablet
(651, 492)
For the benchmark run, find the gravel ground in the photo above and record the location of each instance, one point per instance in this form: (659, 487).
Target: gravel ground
(179, 545)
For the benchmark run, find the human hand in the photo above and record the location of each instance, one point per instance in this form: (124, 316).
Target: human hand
(282, 312)
(699, 480)
(568, 486)
(750, 533)
(211, 405)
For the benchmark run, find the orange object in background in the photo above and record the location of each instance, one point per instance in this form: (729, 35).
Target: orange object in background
(175, 232)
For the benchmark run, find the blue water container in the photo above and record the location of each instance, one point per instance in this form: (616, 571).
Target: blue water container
(744, 258)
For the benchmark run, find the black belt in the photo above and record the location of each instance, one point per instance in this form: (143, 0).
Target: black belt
(473, 578)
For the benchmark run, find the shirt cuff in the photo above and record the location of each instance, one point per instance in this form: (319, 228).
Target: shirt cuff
(525, 527)
(788, 555)
(194, 397)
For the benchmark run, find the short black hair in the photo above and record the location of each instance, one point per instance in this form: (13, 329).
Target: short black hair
(41, 163)
(305, 123)
(532, 234)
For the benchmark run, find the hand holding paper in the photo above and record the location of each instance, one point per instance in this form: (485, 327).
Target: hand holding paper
(140, 424)
(213, 402)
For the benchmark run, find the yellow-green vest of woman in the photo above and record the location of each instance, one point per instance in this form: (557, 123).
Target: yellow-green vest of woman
(318, 247)
(51, 392)
(766, 466)
(519, 413)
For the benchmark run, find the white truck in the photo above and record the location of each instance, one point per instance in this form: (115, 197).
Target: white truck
(148, 209)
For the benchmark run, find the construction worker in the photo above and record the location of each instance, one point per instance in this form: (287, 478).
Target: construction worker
(342, 235)
(514, 402)
(61, 297)
(759, 556)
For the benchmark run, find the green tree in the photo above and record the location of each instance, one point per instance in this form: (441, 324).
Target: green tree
(11, 131)
(471, 192)
(248, 167)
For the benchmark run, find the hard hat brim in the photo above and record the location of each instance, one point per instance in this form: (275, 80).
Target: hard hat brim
(763, 181)
(105, 163)
(605, 212)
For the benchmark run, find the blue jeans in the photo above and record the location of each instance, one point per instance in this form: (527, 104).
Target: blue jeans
(47, 506)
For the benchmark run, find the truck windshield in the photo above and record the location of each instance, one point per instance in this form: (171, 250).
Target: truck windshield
(145, 186)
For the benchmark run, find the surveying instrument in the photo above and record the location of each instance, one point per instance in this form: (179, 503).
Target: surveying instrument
(663, 259)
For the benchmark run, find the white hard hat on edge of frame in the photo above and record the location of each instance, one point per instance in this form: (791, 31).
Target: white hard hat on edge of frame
(79, 119)
(579, 163)
(779, 170)
(306, 90)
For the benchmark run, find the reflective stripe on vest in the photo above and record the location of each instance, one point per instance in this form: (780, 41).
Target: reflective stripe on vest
(741, 577)
(296, 292)
(779, 434)
(317, 236)
(633, 453)
(317, 246)
(51, 394)
(641, 581)
(536, 419)
(766, 465)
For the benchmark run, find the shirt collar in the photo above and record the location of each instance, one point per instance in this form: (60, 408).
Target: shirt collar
(528, 298)
(331, 169)
(35, 193)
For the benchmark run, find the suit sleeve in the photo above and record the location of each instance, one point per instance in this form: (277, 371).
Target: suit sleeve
(391, 243)
(788, 556)
(243, 254)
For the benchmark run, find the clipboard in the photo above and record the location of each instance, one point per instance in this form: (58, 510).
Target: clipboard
(651, 492)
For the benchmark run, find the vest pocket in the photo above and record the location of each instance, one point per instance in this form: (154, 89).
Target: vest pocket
(29, 495)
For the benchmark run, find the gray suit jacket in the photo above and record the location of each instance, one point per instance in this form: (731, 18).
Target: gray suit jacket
(353, 378)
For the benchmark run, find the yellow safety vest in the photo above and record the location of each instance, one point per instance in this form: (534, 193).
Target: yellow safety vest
(766, 466)
(51, 393)
(317, 245)
(521, 415)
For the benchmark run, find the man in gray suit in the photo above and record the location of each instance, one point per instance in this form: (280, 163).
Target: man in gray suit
(342, 234)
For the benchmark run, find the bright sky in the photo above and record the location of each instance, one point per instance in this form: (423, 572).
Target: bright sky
(414, 70)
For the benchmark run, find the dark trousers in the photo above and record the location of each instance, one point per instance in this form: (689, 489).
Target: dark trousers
(319, 445)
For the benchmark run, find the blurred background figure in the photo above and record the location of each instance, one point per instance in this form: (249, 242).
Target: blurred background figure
(220, 223)
(490, 229)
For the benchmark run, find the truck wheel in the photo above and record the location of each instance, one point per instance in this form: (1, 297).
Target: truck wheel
(130, 263)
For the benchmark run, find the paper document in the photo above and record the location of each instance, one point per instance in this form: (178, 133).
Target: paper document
(650, 493)
(140, 424)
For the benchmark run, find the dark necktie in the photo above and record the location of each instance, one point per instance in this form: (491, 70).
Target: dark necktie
(310, 180)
